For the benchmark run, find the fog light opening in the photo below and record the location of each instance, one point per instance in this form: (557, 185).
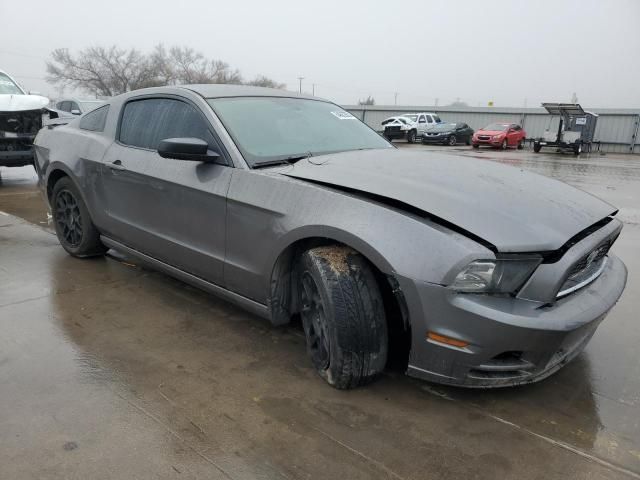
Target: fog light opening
(454, 342)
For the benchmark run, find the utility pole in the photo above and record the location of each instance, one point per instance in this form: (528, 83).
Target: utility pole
(300, 84)
(313, 89)
(395, 98)
(436, 102)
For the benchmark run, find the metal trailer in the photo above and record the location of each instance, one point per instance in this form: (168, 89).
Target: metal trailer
(575, 129)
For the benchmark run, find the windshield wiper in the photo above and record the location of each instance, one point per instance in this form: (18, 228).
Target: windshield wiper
(288, 160)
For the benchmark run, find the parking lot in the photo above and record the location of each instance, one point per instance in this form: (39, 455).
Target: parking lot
(109, 370)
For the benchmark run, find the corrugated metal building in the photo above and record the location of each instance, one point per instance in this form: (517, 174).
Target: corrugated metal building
(617, 129)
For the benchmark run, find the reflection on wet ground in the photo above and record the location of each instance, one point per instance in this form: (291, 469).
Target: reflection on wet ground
(108, 370)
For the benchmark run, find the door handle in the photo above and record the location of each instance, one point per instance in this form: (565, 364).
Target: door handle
(117, 165)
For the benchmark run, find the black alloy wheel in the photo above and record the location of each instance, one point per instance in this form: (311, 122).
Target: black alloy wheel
(68, 218)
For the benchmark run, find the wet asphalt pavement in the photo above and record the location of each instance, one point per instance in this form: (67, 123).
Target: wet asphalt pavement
(108, 370)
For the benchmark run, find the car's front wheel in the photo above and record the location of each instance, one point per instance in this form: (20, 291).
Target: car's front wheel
(504, 145)
(452, 140)
(72, 222)
(411, 136)
(343, 316)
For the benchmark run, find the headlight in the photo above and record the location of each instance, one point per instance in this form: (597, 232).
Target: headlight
(495, 276)
(497, 137)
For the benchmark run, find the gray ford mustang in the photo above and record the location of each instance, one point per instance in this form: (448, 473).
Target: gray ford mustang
(468, 272)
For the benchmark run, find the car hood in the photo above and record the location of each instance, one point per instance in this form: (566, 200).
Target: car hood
(513, 209)
(17, 103)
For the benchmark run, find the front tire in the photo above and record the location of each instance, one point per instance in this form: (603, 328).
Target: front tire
(343, 316)
(452, 141)
(72, 222)
(411, 136)
(537, 147)
(504, 145)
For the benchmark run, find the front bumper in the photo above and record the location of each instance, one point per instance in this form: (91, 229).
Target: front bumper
(488, 142)
(512, 341)
(435, 138)
(16, 158)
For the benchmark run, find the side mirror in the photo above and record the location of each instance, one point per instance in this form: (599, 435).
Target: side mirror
(75, 112)
(33, 92)
(193, 149)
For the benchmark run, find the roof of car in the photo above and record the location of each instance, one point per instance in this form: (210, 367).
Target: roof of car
(214, 90)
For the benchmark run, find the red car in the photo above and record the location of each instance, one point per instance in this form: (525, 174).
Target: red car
(500, 135)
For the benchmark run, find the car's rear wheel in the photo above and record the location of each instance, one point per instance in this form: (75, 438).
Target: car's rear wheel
(411, 136)
(72, 222)
(452, 140)
(537, 147)
(521, 144)
(343, 316)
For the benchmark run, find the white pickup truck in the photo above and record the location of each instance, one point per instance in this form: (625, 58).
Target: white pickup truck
(409, 126)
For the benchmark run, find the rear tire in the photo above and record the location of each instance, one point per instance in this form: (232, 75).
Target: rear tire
(577, 149)
(343, 316)
(537, 147)
(520, 144)
(72, 222)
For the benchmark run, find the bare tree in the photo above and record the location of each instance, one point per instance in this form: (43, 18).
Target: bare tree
(111, 71)
(262, 81)
(367, 101)
(100, 70)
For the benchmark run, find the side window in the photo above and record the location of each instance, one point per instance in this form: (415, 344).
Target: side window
(436, 119)
(146, 122)
(517, 128)
(429, 119)
(65, 106)
(73, 106)
(95, 120)
(421, 119)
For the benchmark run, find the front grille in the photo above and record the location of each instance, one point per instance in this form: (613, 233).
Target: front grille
(484, 137)
(433, 134)
(587, 269)
(392, 129)
(24, 122)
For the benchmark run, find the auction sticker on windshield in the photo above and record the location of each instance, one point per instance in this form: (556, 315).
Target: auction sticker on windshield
(344, 115)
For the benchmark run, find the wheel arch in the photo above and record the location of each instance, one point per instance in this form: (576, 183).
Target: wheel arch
(282, 288)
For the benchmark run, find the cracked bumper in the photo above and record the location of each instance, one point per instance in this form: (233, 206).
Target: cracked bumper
(511, 341)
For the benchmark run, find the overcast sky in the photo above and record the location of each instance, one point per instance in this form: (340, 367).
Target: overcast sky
(508, 52)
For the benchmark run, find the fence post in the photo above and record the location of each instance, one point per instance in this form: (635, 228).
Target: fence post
(634, 137)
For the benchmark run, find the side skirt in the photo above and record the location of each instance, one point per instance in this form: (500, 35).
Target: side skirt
(242, 302)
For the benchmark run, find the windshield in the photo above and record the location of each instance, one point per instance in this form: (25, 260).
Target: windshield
(272, 129)
(8, 86)
(498, 127)
(413, 118)
(88, 105)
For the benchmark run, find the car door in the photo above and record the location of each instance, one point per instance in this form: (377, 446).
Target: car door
(422, 124)
(513, 136)
(171, 210)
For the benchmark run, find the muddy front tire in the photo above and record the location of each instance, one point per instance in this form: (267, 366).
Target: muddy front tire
(343, 316)
(72, 222)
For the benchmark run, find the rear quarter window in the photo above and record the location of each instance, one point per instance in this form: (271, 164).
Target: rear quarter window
(95, 120)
